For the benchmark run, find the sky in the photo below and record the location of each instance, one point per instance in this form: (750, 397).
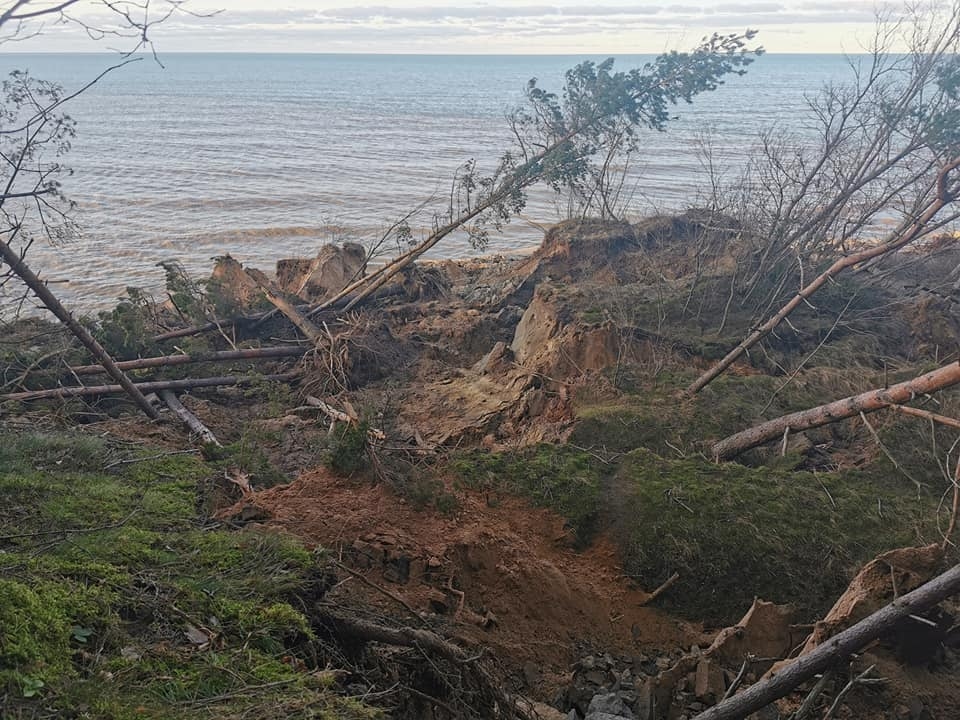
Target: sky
(494, 26)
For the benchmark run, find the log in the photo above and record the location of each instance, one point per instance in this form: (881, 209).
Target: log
(37, 286)
(836, 649)
(144, 387)
(904, 236)
(867, 402)
(266, 353)
(189, 419)
(428, 642)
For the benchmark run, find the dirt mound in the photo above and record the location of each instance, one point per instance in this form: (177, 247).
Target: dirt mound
(501, 572)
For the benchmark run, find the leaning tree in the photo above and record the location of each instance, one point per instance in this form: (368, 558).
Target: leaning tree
(35, 134)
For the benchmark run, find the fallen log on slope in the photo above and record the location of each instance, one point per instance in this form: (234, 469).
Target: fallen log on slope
(267, 353)
(867, 402)
(64, 393)
(188, 418)
(836, 649)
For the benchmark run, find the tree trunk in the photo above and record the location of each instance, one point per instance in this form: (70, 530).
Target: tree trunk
(836, 649)
(911, 232)
(144, 387)
(39, 288)
(867, 402)
(267, 353)
(189, 419)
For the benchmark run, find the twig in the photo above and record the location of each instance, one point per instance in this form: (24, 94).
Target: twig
(927, 415)
(806, 707)
(383, 591)
(130, 461)
(737, 680)
(660, 590)
(69, 531)
(858, 680)
(886, 452)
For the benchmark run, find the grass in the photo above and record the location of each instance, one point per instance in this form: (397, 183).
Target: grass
(558, 477)
(116, 603)
(734, 533)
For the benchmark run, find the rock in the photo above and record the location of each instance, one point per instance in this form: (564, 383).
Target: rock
(708, 683)
(608, 705)
(230, 282)
(330, 271)
(541, 711)
(763, 632)
(644, 706)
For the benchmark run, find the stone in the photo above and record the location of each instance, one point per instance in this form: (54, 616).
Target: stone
(708, 683)
(610, 704)
(329, 272)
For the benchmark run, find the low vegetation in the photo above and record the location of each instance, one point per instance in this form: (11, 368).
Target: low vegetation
(116, 600)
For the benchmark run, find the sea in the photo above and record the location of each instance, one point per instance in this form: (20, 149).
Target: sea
(264, 157)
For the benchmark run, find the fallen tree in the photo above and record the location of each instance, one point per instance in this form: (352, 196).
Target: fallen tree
(836, 649)
(63, 393)
(867, 402)
(882, 146)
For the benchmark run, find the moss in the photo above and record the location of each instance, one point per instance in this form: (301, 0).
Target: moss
(733, 533)
(109, 568)
(559, 477)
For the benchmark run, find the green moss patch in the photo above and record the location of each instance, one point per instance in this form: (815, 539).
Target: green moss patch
(558, 477)
(115, 601)
(733, 533)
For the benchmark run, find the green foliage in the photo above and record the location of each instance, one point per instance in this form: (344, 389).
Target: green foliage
(349, 452)
(126, 330)
(600, 112)
(558, 477)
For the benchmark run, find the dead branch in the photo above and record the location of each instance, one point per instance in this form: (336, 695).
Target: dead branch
(189, 419)
(927, 415)
(39, 288)
(340, 416)
(300, 321)
(267, 353)
(911, 231)
(427, 642)
(867, 402)
(144, 387)
(661, 590)
(836, 649)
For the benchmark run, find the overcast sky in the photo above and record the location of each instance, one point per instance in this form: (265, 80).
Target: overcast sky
(495, 26)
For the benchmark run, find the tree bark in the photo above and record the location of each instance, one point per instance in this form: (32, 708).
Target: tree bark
(867, 402)
(144, 387)
(189, 419)
(911, 232)
(836, 649)
(267, 353)
(39, 288)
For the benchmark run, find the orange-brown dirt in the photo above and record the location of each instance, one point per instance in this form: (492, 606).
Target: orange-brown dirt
(503, 576)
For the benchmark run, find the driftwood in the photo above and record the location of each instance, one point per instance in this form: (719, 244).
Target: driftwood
(867, 402)
(266, 353)
(904, 236)
(836, 649)
(144, 387)
(189, 419)
(39, 288)
(427, 642)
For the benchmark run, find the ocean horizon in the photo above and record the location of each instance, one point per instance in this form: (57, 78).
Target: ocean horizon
(268, 156)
